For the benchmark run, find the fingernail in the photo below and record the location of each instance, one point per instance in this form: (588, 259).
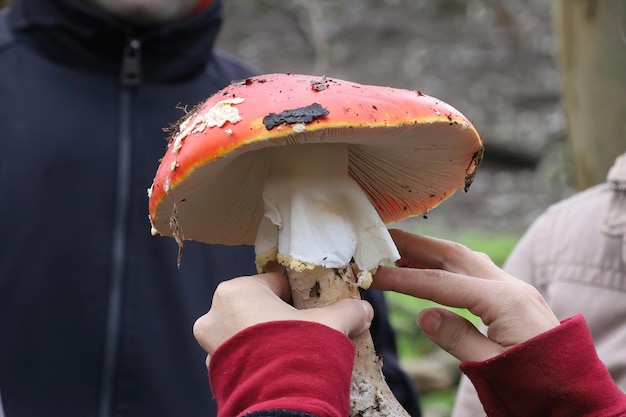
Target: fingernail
(429, 321)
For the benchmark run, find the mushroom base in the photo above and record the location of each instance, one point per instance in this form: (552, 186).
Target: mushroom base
(369, 393)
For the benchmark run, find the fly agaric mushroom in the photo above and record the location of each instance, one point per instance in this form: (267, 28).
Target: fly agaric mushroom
(309, 170)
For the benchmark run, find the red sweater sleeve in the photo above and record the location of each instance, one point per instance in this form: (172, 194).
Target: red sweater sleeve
(290, 365)
(557, 373)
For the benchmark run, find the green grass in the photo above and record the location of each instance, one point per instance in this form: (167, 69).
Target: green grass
(440, 402)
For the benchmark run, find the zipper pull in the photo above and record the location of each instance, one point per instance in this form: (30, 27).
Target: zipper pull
(131, 63)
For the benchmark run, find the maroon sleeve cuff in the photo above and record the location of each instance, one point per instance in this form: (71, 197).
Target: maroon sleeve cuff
(556, 373)
(291, 365)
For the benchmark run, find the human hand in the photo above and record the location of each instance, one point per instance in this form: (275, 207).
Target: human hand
(243, 302)
(453, 275)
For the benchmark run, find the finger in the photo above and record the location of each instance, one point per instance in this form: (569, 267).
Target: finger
(242, 302)
(457, 336)
(349, 316)
(277, 283)
(407, 263)
(443, 287)
(429, 252)
(448, 288)
(199, 331)
(411, 250)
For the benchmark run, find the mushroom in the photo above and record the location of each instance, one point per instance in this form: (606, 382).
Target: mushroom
(309, 170)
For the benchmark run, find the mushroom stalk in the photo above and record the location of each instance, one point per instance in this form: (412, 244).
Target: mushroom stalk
(369, 393)
(320, 226)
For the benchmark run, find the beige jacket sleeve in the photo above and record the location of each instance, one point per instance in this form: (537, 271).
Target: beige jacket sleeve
(575, 254)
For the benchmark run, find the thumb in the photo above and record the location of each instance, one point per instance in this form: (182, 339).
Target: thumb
(349, 316)
(457, 336)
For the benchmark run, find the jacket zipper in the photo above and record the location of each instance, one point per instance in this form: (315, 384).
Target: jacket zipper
(130, 77)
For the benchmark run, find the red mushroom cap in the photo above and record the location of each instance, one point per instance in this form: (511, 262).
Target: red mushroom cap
(407, 150)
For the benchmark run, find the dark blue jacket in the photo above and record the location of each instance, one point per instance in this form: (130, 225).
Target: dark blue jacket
(95, 318)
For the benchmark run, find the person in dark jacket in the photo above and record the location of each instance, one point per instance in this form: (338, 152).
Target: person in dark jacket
(95, 317)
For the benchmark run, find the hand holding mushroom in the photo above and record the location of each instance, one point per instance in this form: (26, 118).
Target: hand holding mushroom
(309, 170)
(244, 302)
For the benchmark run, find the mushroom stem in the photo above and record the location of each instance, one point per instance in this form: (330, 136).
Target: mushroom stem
(320, 225)
(369, 393)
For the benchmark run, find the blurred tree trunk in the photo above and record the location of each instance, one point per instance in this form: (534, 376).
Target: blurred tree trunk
(591, 39)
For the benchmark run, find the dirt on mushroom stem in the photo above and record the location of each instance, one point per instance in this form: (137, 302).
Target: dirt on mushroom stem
(370, 395)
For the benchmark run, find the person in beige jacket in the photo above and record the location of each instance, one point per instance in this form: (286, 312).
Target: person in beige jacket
(575, 254)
